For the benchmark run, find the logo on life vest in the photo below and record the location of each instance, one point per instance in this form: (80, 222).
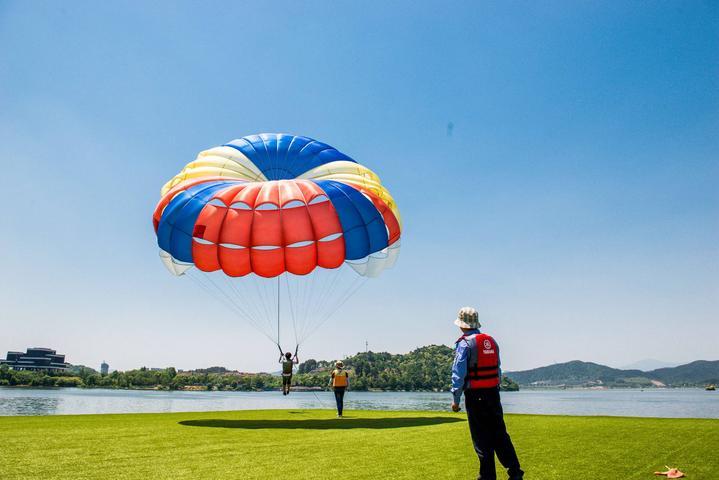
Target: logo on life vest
(487, 345)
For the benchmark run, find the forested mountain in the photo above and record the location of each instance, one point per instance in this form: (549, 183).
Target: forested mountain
(578, 373)
(695, 373)
(426, 368)
(572, 373)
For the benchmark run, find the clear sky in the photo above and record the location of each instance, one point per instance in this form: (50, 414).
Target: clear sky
(575, 203)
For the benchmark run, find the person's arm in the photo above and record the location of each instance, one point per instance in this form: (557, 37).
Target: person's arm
(296, 360)
(459, 371)
(280, 360)
(331, 378)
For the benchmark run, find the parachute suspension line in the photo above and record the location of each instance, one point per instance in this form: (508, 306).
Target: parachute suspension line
(278, 311)
(318, 399)
(315, 292)
(292, 308)
(220, 295)
(250, 306)
(258, 288)
(243, 305)
(242, 302)
(310, 311)
(349, 293)
(332, 307)
(319, 285)
(335, 282)
(249, 303)
(255, 294)
(265, 292)
(323, 303)
(231, 301)
(302, 287)
(307, 287)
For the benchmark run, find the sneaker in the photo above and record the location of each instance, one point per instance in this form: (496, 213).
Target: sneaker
(516, 476)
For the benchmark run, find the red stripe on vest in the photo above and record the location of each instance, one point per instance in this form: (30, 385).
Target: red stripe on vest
(485, 373)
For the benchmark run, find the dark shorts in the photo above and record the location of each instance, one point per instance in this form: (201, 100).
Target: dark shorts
(286, 379)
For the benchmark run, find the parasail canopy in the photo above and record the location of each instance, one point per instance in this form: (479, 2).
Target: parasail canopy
(272, 204)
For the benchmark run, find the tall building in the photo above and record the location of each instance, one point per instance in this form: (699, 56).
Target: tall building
(36, 359)
(104, 368)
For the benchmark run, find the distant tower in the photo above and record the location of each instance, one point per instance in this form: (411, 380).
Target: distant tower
(366, 346)
(104, 368)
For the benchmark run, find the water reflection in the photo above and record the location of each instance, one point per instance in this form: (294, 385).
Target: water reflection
(35, 405)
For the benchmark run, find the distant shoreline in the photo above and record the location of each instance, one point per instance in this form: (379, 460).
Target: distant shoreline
(318, 389)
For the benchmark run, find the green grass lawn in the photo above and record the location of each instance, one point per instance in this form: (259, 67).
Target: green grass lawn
(312, 444)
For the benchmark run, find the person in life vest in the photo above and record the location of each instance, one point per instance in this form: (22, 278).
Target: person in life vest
(288, 362)
(340, 382)
(476, 373)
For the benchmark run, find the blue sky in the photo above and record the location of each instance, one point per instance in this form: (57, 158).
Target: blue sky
(575, 203)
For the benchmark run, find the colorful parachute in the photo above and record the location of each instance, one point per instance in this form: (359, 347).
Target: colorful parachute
(273, 205)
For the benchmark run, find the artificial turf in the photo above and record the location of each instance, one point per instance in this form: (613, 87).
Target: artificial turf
(312, 444)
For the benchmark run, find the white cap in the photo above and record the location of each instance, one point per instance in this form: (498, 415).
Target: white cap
(467, 318)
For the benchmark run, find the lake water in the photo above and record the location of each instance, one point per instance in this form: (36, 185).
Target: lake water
(691, 403)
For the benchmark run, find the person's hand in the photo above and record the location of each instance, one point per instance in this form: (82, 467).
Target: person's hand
(456, 407)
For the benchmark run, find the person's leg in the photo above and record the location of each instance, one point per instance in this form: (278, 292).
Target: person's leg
(501, 441)
(481, 435)
(289, 384)
(339, 398)
(506, 452)
(338, 401)
(285, 385)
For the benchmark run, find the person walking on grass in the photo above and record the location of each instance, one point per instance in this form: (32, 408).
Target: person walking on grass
(288, 362)
(476, 373)
(339, 381)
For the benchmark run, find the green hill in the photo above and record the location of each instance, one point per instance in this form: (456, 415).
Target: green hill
(426, 368)
(699, 373)
(578, 373)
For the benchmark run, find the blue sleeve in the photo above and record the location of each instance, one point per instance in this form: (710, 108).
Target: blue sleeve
(459, 371)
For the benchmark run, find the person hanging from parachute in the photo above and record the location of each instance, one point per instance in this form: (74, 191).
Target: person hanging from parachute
(288, 364)
(246, 217)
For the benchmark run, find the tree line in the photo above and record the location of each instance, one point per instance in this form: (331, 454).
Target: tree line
(142, 378)
(424, 369)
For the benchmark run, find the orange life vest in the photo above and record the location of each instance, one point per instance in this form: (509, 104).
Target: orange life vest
(483, 362)
(339, 378)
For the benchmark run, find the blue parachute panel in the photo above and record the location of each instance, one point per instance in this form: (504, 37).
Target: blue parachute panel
(283, 157)
(363, 227)
(174, 232)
